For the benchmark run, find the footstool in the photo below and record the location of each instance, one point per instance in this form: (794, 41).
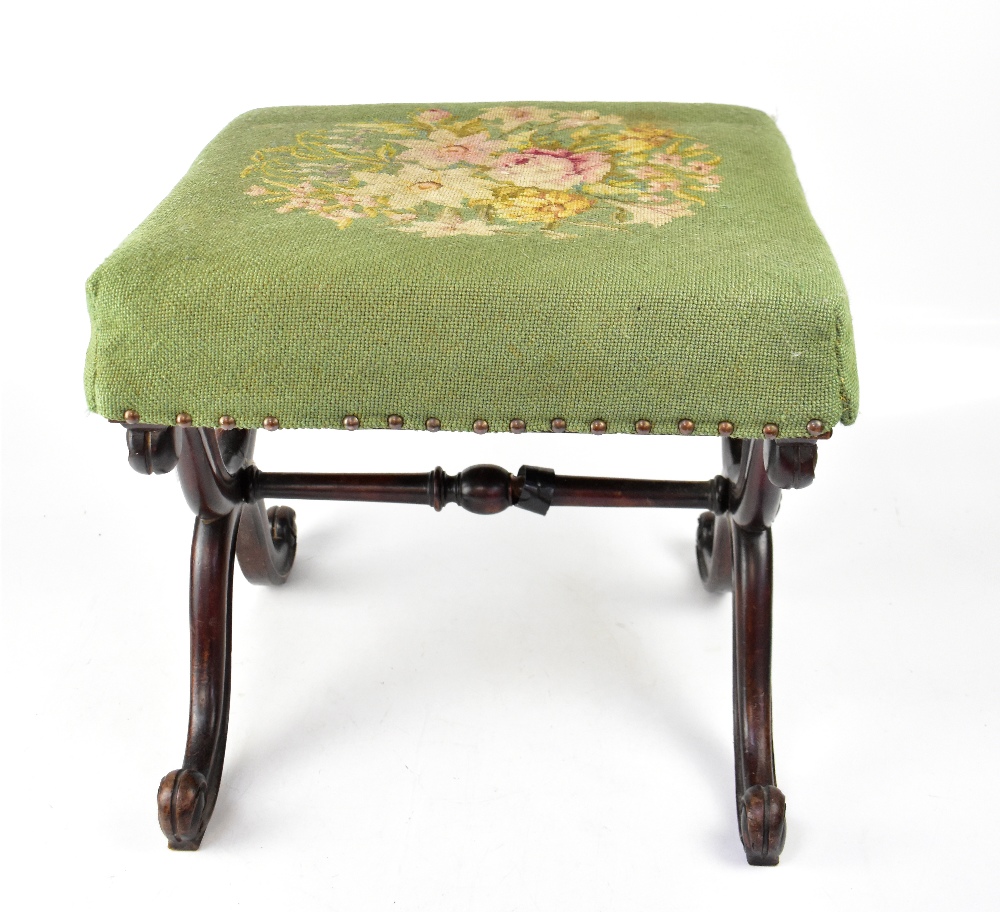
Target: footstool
(550, 267)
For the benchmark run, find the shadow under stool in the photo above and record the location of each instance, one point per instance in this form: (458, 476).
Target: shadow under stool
(599, 268)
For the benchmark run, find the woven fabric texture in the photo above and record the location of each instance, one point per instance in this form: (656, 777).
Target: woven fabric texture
(619, 262)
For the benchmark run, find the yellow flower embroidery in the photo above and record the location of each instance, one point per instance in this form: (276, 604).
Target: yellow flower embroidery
(507, 169)
(644, 137)
(518, 204)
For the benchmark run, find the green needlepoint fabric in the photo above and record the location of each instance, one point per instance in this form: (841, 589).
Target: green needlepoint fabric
(522, 261)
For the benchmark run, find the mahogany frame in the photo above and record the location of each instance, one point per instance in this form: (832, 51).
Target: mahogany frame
(226, 491)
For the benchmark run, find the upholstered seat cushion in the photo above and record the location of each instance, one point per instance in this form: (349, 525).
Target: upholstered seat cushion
(492, 262)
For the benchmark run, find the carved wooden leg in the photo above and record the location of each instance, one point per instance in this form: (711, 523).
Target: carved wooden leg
(734, 551)
(760, 804)
(187, 796)
(208, 464)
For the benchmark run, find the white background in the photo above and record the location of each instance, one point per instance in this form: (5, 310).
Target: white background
(510, 713)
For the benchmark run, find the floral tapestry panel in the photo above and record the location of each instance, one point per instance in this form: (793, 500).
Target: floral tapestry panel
(509, 168)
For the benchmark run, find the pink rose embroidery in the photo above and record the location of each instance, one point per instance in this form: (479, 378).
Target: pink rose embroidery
(701, 167)
(433, 115)
(675, 161)
(551, 169)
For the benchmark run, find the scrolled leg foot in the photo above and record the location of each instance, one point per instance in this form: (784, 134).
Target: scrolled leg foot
(762, 823)
(284, 532)
(760, 804)
(181, 806)
(266, 543)
(187, 796)
(714, 550)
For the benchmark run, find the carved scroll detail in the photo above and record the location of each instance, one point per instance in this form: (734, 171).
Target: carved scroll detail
(734, 552)
(152, 449)
(212, 467)
(187, 796)
(790, 463)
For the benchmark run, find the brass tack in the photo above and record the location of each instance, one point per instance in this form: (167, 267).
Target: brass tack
(726, 428)
(432, 424)
(131, 416)
(815, 427)
(183, 419)
(770, 431)
(271, 423)
(558, 425)
(352, 423)
(597, 426)
(395, 422)
(685, 426)
(480, 426)
(517, 426)
(642, 426)
(227, 422)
